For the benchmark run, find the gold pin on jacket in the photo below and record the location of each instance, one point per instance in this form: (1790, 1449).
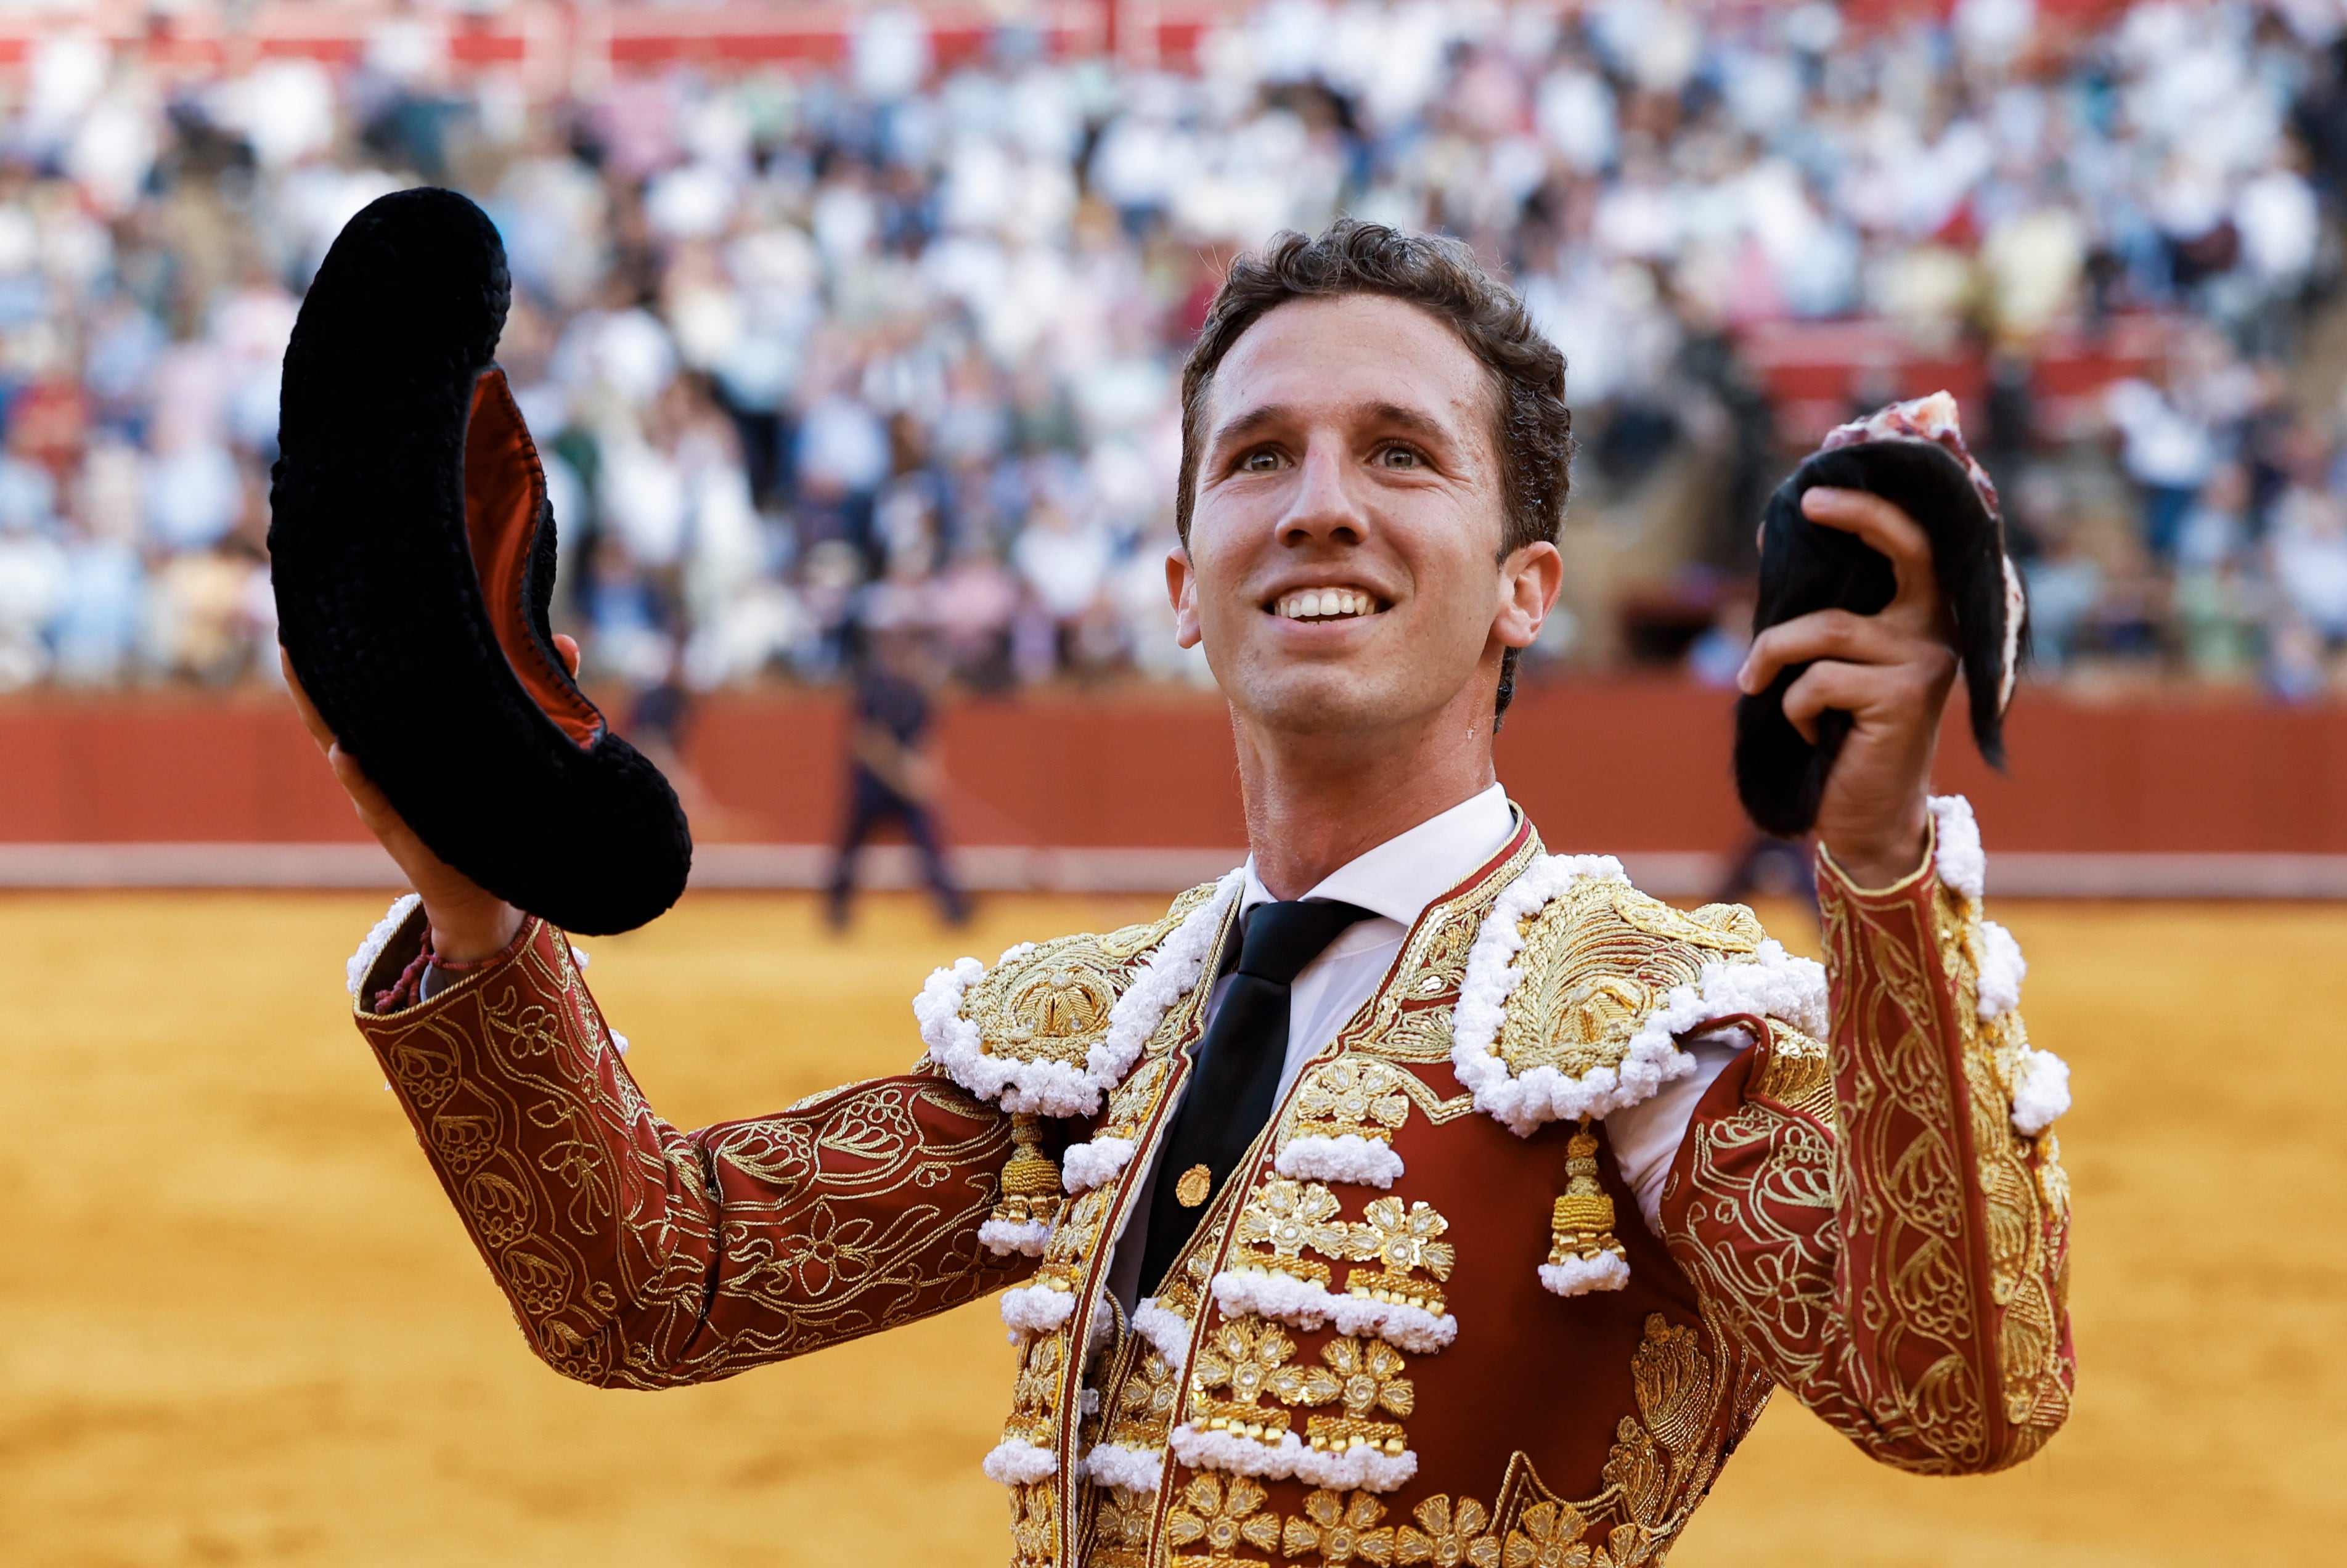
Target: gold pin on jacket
(1197, 1184)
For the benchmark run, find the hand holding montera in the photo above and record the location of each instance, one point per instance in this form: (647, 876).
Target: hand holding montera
(468, 921)
(1883, 572)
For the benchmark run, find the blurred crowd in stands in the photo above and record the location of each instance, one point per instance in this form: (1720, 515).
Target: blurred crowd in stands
(816, 354)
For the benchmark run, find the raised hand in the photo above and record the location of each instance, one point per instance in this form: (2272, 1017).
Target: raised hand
(468, 921)
(1892, 672)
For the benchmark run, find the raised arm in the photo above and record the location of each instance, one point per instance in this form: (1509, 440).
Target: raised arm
(639, 1256)
(635, 1255)
(1884, 1222)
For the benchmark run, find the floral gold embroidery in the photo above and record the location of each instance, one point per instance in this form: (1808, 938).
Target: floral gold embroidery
(1352, 1095)
(639, 1254)
(1590, 976)
(1547, 1536)
(1881, 1239)
(1366, 1375)
(1048, 1003)
(1034, 1525)
(1144, 1403)
(1336, 1530)
(1281, 1220)
(1121, 1531)
(1241, 1356)
(1219, 1513)
(1448, 1535)
(2023, 1225)
(1405, 1244)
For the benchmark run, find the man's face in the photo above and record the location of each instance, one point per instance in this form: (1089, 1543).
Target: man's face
(1343, 568)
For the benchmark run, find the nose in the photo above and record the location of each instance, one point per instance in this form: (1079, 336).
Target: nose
(1324, 508)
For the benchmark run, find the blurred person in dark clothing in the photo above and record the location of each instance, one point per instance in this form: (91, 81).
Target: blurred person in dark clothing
(892, 776)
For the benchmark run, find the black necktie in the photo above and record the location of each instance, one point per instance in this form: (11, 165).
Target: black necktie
(1235, 1077)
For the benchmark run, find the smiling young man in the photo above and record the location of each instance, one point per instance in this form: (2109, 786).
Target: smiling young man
(1409, 1194)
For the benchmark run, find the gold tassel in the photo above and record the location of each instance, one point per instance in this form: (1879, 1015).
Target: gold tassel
(1031, 1181)
(1581, 1224)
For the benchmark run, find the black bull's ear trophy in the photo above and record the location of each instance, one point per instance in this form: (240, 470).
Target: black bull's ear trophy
(413, 553)
(1912, 456)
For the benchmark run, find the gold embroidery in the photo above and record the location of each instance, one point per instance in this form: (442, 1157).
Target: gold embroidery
(2028, 1328)
(1144, 1403)
(1336, 1530)
(1724, 927)
(1596, 959)
(1219, 1513)
(1241, 1356)
(1366, 1376)
(1367, 1098)
(1076, 1234)
(718, 1249)
(1121, 1531)
(1052, 1003)
(1798, 1073)
(1403, 1243)
(1548, 1536)
(1034, 1525)
(1131, 1103)
(1448, 1536)
(1282, 1218)
(1035, 1391)
(1409, 1020)
(1662, 1462)
(1852, 1265)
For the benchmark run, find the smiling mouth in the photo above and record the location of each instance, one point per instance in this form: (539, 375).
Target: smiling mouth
(1327, 604)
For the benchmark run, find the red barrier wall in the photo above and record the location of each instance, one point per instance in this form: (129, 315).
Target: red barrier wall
(1619, 765)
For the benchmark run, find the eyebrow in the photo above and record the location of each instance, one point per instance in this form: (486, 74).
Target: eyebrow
(1258, 419)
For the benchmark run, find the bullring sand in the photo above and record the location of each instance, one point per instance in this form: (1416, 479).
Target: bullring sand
(239, 1324)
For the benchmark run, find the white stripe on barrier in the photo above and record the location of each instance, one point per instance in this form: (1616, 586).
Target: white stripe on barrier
(1009, 868)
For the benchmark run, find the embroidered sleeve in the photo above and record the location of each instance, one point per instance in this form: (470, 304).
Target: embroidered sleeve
(636, 1254)
(1885, 1221)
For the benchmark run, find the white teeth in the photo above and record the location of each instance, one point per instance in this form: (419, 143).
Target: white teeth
(1326, 604)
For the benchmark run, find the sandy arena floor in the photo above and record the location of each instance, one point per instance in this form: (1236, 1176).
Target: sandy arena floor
(238, 1323)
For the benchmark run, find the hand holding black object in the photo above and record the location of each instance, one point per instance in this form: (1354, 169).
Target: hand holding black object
(412, 549)
(1881, 680)
(468, 921)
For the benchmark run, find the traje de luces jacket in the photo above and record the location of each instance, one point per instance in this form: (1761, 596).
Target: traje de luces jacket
(1424, 1322)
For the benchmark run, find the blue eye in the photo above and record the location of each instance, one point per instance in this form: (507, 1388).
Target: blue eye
(1398, 457)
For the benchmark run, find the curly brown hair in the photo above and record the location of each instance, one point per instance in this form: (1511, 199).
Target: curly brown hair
(1531, 426)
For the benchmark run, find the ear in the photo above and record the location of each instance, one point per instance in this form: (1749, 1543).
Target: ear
(1530, 580)
(1181, 588)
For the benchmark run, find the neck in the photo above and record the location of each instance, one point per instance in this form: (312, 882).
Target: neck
(1315, 802)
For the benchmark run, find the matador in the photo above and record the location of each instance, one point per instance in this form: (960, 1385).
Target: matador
(1410, 1194)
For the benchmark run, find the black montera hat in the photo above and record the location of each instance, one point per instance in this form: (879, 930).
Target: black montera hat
(1911, 455)
(413, 553)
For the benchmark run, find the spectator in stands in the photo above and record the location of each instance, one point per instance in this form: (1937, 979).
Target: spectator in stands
(769, 327)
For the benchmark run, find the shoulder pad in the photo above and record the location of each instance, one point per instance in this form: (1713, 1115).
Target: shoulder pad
(1053, 1024)
(1579, 984)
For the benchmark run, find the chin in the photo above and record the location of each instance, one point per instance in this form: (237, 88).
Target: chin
(1315, 701)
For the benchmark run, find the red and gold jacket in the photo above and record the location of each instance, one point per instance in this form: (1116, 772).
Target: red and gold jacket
(1426, 1323)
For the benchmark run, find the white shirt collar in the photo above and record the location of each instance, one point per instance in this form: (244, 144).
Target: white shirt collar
(1401, 877)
